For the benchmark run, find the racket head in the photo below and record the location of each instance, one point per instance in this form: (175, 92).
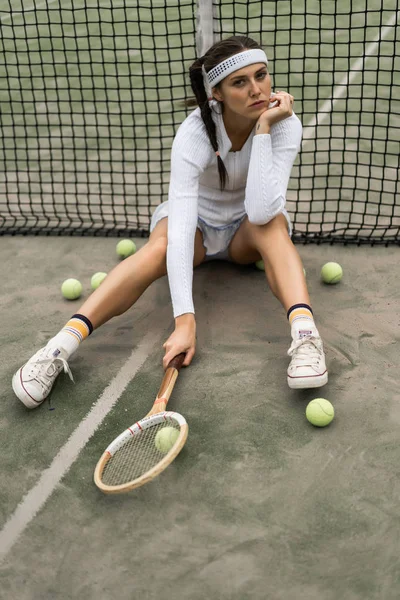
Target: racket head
(133, 459)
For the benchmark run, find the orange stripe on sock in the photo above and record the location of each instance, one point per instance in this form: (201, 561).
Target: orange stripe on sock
(300, 312)
(79, 326)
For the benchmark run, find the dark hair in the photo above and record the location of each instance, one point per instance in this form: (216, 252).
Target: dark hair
(219, 52)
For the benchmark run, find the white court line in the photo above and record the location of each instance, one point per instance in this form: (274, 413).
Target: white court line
(341, 88)
(33, 501)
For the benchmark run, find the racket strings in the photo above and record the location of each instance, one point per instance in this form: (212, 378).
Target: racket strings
(135, 458)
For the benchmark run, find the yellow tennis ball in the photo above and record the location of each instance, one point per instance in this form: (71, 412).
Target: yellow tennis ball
(166, 438)
(126, 248)
(71, 289)
(320, 412)
(97, 279)
(331, 272)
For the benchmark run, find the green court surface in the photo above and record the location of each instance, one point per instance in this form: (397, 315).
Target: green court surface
(260, 504)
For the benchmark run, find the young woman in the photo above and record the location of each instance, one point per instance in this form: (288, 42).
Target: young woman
(230, 166)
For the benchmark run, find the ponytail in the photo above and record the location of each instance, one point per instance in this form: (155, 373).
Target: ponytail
(197, 83)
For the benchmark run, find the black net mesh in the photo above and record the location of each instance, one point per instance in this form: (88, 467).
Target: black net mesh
(341, 62)
(90, 99)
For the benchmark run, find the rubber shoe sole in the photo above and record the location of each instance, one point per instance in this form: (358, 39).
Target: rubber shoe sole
(312, 381)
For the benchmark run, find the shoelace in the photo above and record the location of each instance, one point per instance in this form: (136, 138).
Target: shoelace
(308, 348)
(51, 369)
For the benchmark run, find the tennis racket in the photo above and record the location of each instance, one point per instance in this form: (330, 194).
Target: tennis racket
(133, 458)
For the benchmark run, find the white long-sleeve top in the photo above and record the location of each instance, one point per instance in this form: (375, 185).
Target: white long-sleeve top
(258, 177)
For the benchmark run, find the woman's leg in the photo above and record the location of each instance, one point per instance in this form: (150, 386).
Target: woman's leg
(283, 266)
(124, 285)
(121, 288)
(284, 272)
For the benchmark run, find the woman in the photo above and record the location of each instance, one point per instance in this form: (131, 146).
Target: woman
(230, 166)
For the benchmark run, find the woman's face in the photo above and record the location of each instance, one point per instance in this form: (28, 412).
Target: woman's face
(245, 92)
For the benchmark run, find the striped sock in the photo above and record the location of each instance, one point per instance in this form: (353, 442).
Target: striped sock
(72, 334)
(302, 321)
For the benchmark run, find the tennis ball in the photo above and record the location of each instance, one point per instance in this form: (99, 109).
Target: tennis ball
(320, 412)
(331, 272)
(166, 438)
(71, 289)
(126, 248)
(97, 279)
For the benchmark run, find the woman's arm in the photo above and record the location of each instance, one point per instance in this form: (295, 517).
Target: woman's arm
(190, 156)
(275, 146)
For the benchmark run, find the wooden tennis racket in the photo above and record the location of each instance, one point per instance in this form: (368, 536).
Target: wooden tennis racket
(133, 458)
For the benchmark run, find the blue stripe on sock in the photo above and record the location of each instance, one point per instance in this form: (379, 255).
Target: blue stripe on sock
(74, 332)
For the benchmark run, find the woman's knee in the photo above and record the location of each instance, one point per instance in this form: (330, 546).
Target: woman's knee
(273, 234)
(157, 254)
(277, 225)
(159, 246)
(251, 241)
(159, 240)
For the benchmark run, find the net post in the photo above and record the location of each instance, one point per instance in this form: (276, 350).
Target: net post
(205, 19)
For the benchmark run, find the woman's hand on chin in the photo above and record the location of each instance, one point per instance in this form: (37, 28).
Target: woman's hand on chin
(282, 109)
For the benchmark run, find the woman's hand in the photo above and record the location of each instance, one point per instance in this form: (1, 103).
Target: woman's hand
(183, 339)
(282, 109)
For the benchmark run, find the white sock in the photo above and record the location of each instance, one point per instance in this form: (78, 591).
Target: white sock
(302, 321)
(304, 327)
(71, 335)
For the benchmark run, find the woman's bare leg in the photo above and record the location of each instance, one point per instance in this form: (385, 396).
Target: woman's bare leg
(283, 266)
(121, 288)
(127, 281)
(284, 272)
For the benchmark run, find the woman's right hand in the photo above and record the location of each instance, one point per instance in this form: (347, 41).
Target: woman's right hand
(182, 339)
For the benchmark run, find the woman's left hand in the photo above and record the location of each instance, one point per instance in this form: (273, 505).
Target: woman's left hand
(282, 110)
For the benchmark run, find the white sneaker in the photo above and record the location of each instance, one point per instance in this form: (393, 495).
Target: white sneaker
(32, 383)
(307, 368)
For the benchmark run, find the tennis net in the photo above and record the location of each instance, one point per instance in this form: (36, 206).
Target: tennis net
(91, 95)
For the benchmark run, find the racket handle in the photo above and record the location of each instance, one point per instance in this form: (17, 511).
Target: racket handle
(177, 361)
(167, 384)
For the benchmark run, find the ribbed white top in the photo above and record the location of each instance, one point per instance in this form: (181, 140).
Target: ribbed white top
(258, 177)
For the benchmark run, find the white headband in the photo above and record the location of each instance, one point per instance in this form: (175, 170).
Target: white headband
(234, 63)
